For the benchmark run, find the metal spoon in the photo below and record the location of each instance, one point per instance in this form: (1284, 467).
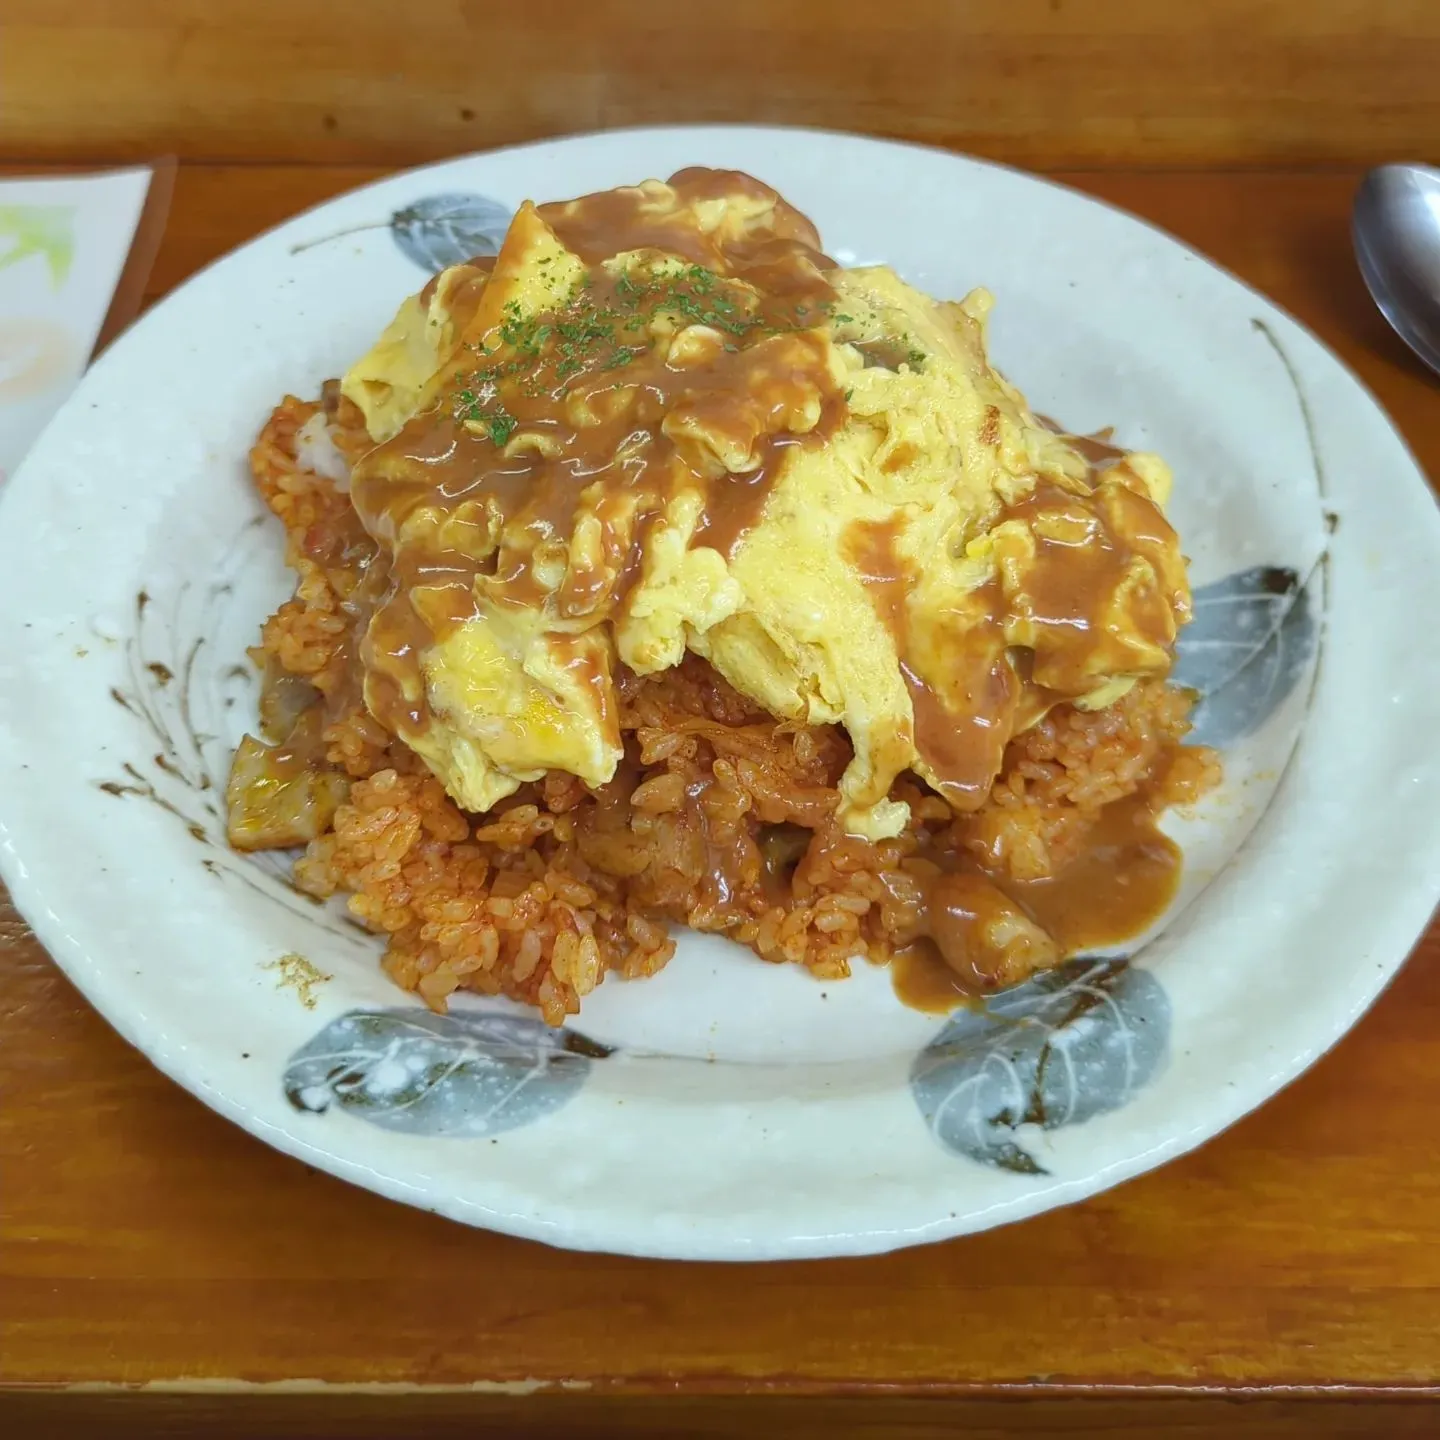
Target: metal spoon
(1396, 229)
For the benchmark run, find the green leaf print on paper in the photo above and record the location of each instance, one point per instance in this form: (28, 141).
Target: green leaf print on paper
(46, 230)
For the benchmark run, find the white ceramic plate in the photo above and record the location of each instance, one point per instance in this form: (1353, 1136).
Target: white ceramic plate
(729, 1108)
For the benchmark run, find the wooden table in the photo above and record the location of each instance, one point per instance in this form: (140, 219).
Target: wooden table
(160, 1269)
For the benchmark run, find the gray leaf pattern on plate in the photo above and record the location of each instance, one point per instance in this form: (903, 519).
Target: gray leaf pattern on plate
(1251, 640)
(443, 230)
(466, 1074)
(1072, 1043)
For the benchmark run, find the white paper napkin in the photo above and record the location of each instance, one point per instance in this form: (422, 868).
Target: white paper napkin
(63, 247)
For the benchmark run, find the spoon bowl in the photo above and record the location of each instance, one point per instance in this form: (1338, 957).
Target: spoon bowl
(1396, 229)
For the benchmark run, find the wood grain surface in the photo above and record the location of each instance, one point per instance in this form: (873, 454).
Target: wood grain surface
(1040, 82)
(146, 1243)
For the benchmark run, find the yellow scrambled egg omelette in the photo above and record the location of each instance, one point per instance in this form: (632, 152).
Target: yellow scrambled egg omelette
(662, 419)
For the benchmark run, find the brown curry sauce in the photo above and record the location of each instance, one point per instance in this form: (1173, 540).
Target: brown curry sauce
(581, 416)
(1122, 880)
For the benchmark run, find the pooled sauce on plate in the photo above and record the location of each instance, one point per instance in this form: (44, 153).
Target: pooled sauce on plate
(1122, 881)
